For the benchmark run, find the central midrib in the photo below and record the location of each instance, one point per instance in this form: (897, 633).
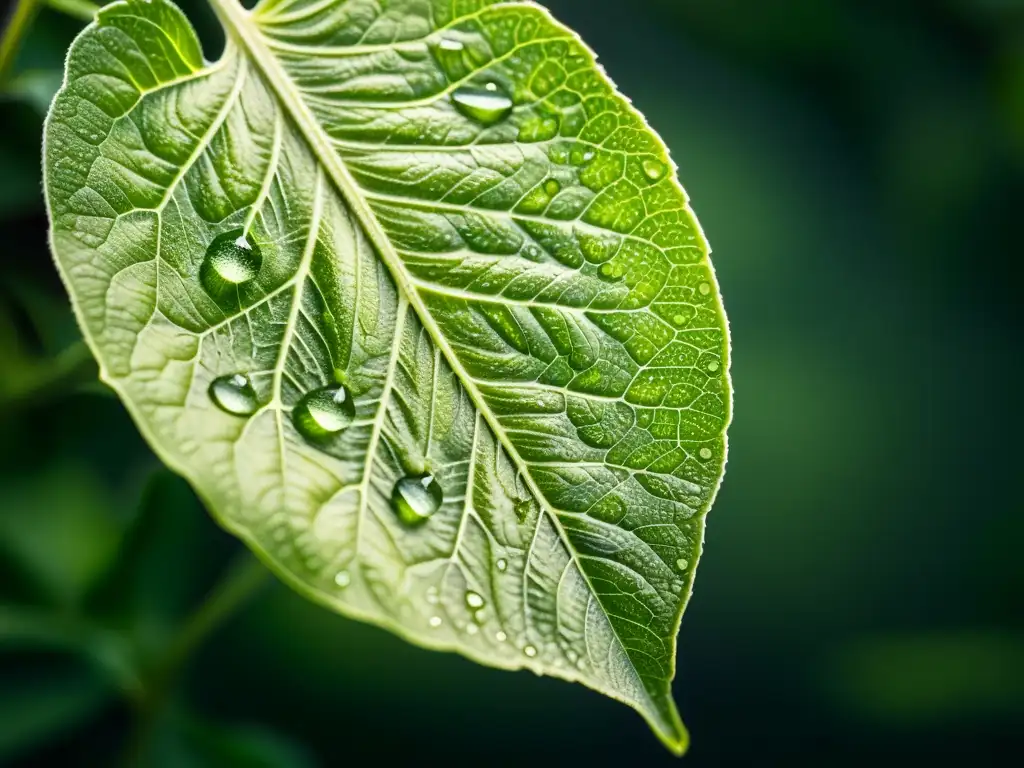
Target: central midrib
(236, 21)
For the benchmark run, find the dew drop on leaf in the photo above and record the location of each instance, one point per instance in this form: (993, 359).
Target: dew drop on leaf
(472, 629)
(682, 563)
(449, 44)
(502, 564)
(435, 621)
(324, 412)
(705, 453)
(487, 105)
(231, 260)
(610, 272)
(713, 366)
(530, 651)
(500, 636)
(679, 320)
(474, 600)
(234, 394)
(654, 169)
(416, 497)
(342, 579)
(705, 289)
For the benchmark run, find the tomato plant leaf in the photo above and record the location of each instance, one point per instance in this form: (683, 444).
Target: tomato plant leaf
(412, 296)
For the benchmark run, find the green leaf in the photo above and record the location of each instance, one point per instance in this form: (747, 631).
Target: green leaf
(444, 213)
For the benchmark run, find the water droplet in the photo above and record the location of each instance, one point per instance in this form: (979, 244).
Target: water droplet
(713, 366)
(474, 600)
(234, 394)
(416, 497)
(487, 105)
(705, 453)
(472, 629)
(682, 563)
(502, 564)
(522, 510)
(552, 187)
(435, 621)
(679, 320)
(530, 651)
(324, 412)
(342, 579)
(704, 288)
(480, 616)
(230, 261)
(448, 44)
(500, 636)
(610, 272)
(654, 169)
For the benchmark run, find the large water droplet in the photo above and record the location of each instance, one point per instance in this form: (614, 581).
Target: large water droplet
(487, 105)
(450, 44)
(234, 394)
(610, 272)
(230, 261)
(474, 600)
(654, 169)
(415, 498)
(324, 412)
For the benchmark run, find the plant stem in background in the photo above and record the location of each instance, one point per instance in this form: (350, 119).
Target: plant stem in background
(21, 19)
(24, 14)
(78, 9)
(243, 579)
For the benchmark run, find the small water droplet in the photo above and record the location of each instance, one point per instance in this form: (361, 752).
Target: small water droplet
(552, 187)
(324, 412)
(522, 510)
(610, 272)
(589, 155)
(234, 394)
(713, 366)
(487, 105)
(654, 169)
(682, 563)
(705, 453)
(435, 621)
(502, 564)
(230, 261)
(530, 651)
(480, 616)
(342, 579)
(500, 636)
(472, 629)
(704, 288)
(416, 497)
(679, 320)
(448, 44)
(474, 600)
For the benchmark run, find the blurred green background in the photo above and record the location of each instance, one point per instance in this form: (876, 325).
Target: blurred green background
(858, 167)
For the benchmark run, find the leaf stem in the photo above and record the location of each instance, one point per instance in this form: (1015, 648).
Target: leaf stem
(244, 577)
